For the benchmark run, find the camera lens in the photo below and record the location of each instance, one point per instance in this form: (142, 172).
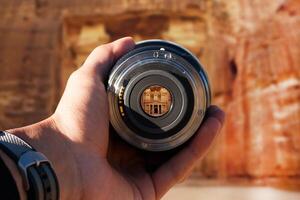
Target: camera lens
(158, 94)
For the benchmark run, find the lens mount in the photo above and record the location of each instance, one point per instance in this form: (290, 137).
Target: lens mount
(158, 94)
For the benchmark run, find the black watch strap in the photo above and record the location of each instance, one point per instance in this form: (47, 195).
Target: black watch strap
(38, 176)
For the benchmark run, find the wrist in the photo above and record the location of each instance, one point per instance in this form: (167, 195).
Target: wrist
(45, 138)
(13, 169)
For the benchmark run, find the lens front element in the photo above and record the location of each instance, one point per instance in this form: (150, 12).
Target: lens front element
(156, 101)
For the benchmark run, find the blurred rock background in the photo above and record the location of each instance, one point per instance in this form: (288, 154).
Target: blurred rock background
(250, 49)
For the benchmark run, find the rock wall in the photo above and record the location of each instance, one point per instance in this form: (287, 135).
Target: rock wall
(250, 48)
(263, 125)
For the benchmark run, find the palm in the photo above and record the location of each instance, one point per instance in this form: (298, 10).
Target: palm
(131, 165)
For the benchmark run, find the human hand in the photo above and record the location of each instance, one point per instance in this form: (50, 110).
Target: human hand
(89, 163)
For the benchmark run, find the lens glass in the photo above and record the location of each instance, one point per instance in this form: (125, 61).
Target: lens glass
(156, 101)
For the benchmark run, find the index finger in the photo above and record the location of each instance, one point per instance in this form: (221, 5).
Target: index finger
(102, 57)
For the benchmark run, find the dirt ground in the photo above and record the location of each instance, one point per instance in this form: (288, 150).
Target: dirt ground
(183, 192)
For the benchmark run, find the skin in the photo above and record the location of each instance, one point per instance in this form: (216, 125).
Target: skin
(92, 164)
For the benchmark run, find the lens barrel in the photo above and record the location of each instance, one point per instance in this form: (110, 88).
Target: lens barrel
(158, 94)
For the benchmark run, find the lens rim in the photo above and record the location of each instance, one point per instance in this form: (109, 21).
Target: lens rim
(192, 69)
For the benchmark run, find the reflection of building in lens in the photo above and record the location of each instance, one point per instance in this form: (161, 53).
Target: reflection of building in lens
(156, 100)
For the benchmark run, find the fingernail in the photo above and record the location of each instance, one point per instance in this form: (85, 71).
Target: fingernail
(212, 109)
(217, 112)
